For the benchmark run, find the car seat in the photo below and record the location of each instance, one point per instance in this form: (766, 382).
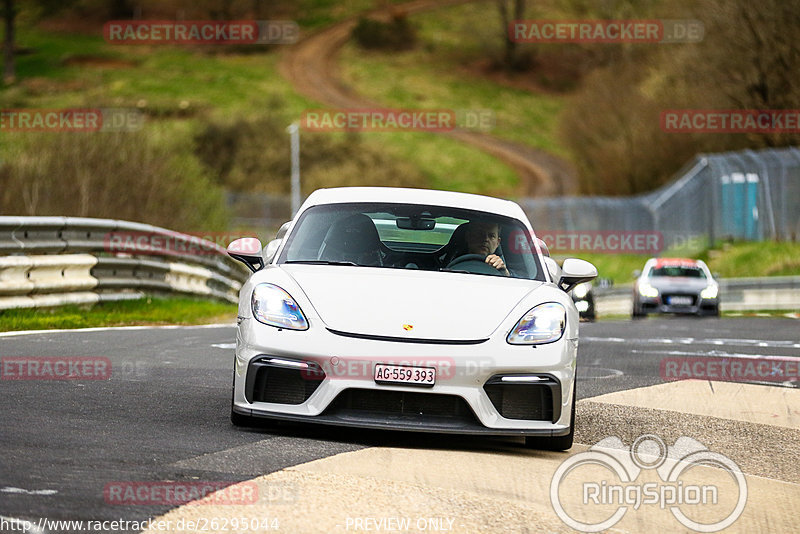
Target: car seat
(353, 238)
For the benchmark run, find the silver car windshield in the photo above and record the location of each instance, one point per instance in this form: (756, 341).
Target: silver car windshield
(413, 236)
(678, 271)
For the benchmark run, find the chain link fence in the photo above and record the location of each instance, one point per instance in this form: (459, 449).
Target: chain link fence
(747, 195)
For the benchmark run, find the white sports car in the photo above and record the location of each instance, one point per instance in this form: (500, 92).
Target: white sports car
(409, 309)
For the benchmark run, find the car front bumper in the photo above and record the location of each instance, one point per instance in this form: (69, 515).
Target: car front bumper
(489, 388)
(660, 305)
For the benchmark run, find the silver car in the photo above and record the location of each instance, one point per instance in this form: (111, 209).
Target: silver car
(412, 310)
(675, 285)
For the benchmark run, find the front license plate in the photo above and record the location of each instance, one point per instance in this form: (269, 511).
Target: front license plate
(680, 301)
(404, 374)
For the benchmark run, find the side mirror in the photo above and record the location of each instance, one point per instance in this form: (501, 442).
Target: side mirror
(248, 251)
(270, 250)
(637, 273)
(575, 271)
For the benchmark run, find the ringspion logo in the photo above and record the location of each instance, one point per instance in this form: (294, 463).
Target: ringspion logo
(593, 490)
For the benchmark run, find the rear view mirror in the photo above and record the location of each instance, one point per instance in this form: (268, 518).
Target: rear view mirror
(248, 251)
(637, 273)
(415, 223)
(575, 271)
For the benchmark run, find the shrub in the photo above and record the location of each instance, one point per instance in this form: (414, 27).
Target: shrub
(253, 155)
(396, 34)
(134, 176)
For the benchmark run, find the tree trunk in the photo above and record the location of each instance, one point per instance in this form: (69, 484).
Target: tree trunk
(510, 56)
(9, 69)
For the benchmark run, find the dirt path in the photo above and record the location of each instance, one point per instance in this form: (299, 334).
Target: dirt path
(311, 66)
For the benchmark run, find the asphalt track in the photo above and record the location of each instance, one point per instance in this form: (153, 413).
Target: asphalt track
(163, 413)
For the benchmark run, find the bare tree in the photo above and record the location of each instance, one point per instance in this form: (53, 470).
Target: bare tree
(510, 58)
(9, 69)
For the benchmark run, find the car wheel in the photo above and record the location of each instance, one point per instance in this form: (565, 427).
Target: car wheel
(637, 313)
(558, 443)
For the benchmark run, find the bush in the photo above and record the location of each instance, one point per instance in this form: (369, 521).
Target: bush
(397, 34)
(253, 155)
(125, 175)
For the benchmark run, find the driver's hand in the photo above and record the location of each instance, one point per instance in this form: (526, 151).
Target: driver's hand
(497, 262)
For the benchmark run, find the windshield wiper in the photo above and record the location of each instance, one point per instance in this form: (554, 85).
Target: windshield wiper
(323, 262)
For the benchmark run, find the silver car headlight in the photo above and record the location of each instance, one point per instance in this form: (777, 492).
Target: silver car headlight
(273, 306)
(544, 323)
(646, 290)
(710, 292)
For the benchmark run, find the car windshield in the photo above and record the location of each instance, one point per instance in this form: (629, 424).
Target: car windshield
(411, 236)
(678, 271)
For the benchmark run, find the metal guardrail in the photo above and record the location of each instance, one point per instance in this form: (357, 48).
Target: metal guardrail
(52, 261)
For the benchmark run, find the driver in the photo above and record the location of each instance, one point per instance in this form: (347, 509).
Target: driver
(483, 238)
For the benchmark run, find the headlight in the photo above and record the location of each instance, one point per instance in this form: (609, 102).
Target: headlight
(646, 290)
(273, 306)
(544, 323)
(581, 290)
(710, 292)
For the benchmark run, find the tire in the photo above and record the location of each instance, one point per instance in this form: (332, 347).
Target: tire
(557, 443)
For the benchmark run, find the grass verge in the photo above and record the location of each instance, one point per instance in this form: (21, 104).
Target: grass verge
(148, 311)
(432, 76)
(731, 260)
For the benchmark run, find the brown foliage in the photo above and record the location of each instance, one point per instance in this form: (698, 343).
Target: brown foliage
(110, 175)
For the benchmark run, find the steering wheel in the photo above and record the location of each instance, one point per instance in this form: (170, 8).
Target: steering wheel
(474, 263)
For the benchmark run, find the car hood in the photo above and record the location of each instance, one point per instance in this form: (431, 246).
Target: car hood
(678, 283)
(409, 304)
